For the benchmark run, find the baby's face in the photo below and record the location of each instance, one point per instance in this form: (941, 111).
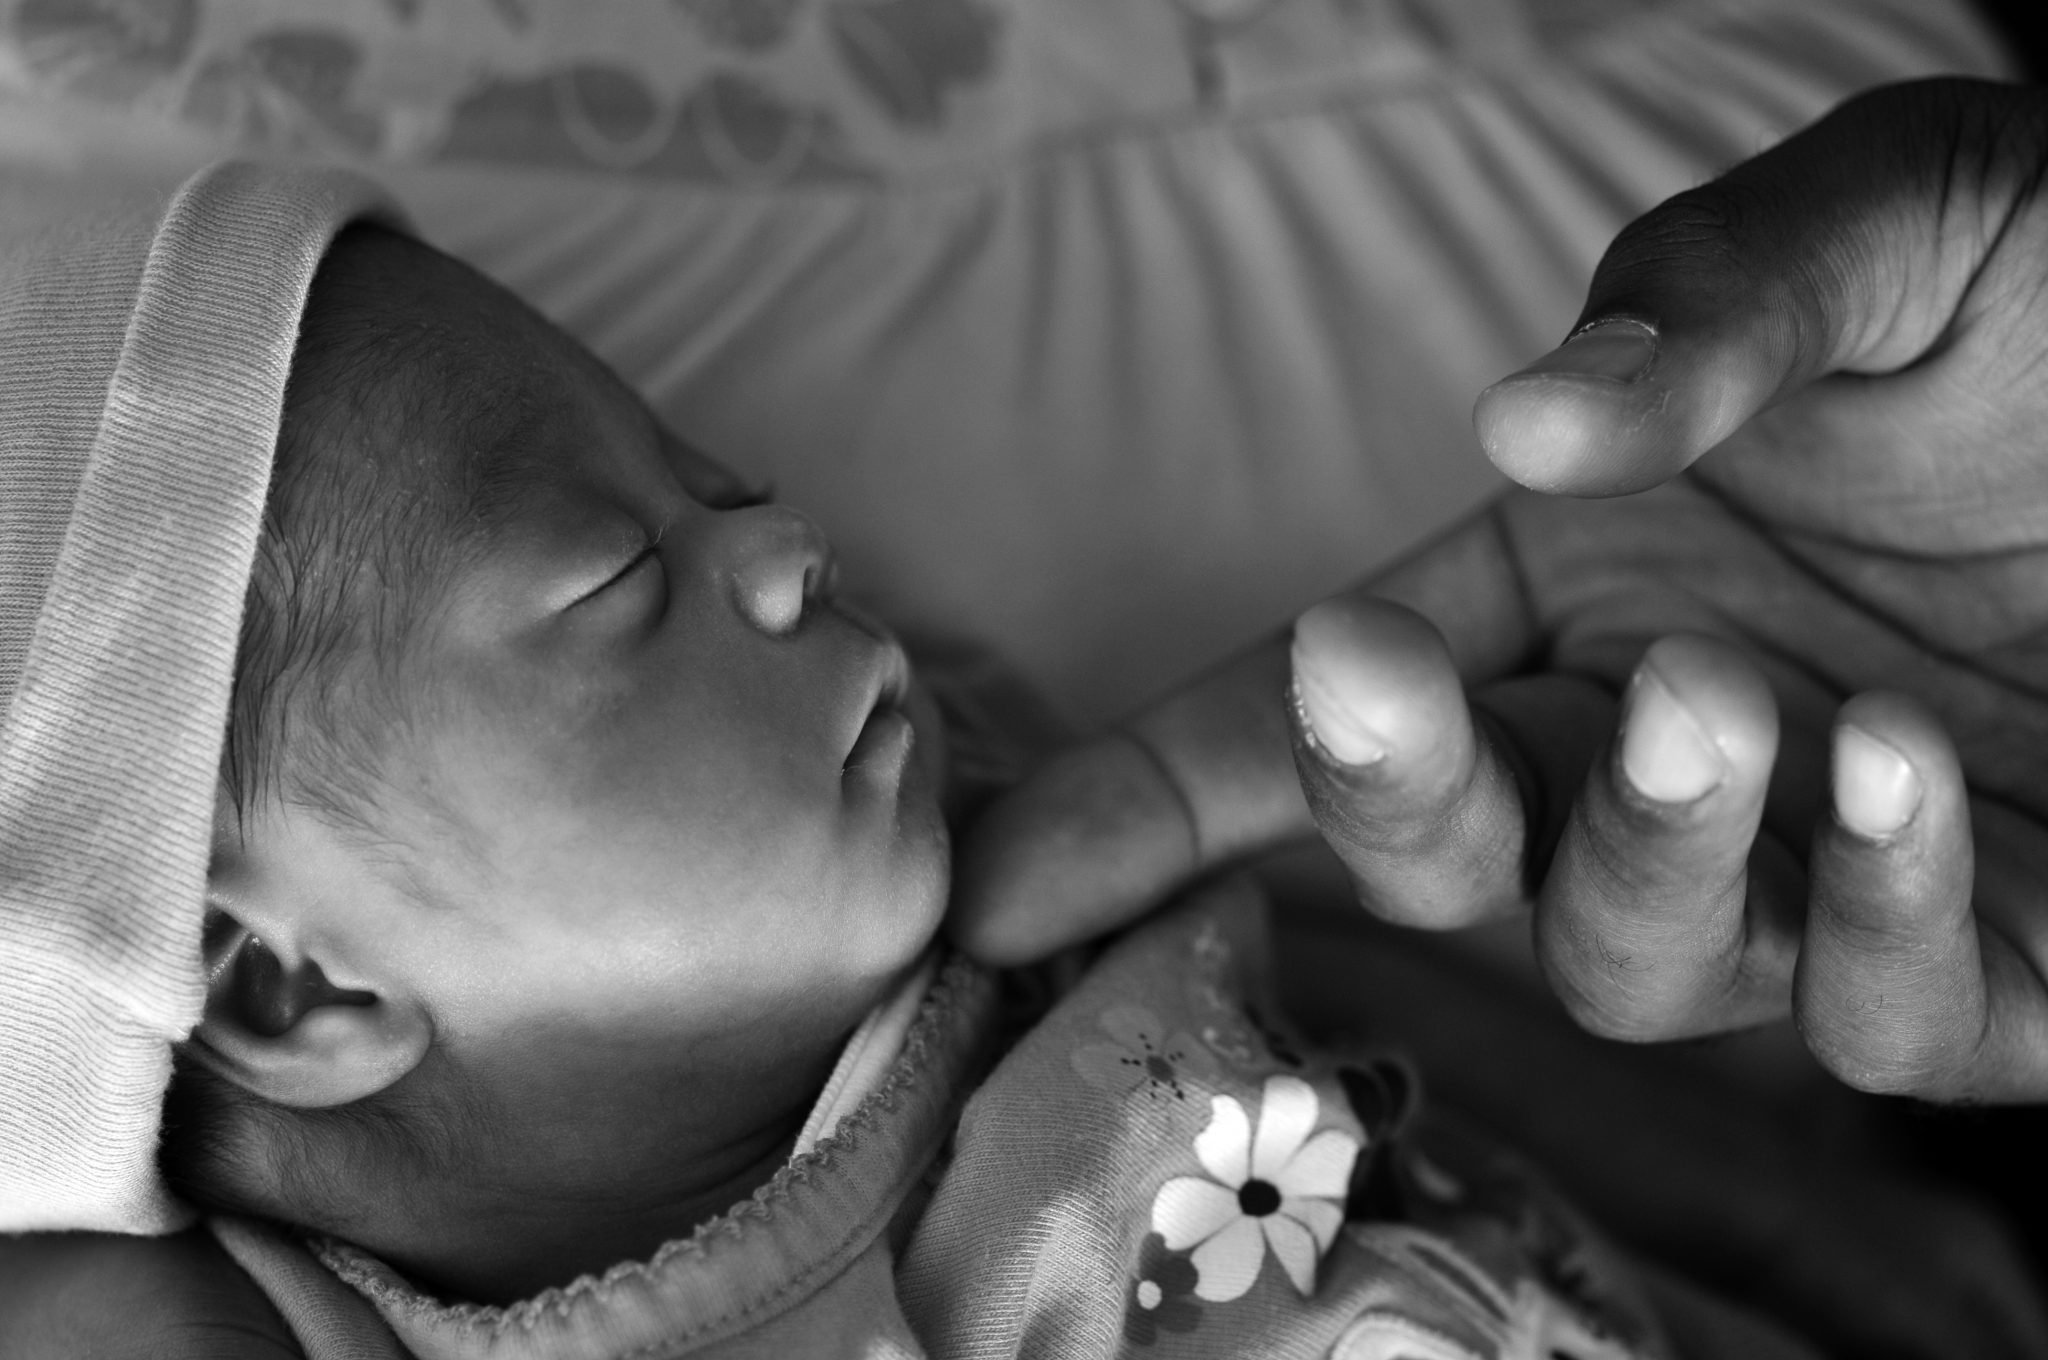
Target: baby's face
(664, 793)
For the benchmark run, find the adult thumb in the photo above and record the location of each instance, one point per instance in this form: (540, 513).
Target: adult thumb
(1849, 247)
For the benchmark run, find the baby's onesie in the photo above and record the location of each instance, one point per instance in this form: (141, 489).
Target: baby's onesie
(1152, 1168)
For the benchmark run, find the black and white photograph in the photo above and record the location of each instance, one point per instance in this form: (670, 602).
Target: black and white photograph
(1023, 680)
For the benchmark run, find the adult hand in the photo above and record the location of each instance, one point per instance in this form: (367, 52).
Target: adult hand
(1823, 786)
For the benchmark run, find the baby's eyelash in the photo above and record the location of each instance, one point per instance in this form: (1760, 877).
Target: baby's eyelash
(637, 561)
(640, 559)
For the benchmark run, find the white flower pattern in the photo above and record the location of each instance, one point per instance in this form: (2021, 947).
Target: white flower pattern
(1278, 1188)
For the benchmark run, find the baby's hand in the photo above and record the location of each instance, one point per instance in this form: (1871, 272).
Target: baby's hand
(1108, 829)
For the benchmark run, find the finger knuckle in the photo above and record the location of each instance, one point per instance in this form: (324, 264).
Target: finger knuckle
(1622, 1023)
(1950, 121)
(1651, 861)
(1876, 1053)
(1692, 234)
(1861, 1071)
(1606, 989)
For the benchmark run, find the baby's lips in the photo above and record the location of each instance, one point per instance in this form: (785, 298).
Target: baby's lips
(883, 746)
(863, 620)
(888, 685)
(894, 681)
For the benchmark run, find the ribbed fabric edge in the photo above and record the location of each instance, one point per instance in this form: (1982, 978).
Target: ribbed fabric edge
(110, 747)
(760, 1258)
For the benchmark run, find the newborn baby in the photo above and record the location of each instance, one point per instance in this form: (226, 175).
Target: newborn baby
(568, 814)
(576, 862)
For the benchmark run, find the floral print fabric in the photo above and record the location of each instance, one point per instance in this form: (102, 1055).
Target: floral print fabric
(1158, 1170)
(1274, 1188)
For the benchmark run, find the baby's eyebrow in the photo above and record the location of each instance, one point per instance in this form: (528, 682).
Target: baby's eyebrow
(504, 469)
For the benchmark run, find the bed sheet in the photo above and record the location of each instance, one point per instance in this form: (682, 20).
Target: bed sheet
(1104, 332)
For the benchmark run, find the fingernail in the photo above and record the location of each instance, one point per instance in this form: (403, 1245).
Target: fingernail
(1621, 351)
(1665, 752)
(1877, 790)
(1328, 721)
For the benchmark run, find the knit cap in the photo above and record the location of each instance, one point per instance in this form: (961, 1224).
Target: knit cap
(143, 354)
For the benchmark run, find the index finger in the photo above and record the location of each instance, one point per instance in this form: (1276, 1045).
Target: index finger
(1110, 828)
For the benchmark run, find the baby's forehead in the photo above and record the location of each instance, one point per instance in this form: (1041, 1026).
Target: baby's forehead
(434, 385)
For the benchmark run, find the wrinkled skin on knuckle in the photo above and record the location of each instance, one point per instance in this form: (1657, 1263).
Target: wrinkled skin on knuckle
(1626, 1011)
(1820, 234)
(1870, 1070)
(1429, 868)
(1614, 1014)
(1599, 982)
(1887, 1054)
(1681, 967)
(1960, 161)
(1400, 808)
(1690, 241)
(1978, 133)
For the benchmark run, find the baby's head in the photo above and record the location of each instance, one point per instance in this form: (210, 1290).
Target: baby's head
(567, 823)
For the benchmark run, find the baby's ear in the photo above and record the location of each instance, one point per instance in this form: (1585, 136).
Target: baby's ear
(276, 1026)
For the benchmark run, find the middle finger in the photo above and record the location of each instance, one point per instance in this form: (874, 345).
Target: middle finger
(1663, 914)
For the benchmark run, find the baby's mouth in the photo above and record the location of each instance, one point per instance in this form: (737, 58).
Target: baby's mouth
(885, 738)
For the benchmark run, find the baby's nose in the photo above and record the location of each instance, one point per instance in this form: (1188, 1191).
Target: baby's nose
(783, 563)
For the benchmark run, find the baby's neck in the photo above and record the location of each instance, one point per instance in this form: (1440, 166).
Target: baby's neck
(590, 1174)
(509, 1248)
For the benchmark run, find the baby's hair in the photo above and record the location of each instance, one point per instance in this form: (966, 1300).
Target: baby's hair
(357, 537)
(354, 539)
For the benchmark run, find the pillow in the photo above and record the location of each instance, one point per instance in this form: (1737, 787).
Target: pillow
(1105, 332)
